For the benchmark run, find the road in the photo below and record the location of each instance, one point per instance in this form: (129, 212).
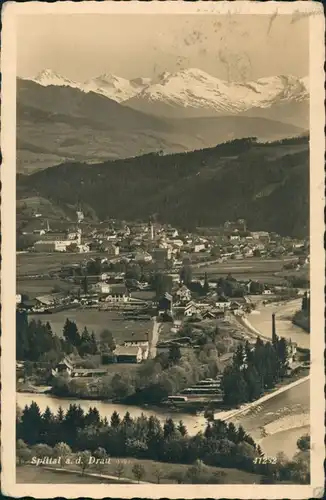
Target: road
(154, 336)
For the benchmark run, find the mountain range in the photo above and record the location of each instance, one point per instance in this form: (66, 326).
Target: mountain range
(110, 117)
(238, 179)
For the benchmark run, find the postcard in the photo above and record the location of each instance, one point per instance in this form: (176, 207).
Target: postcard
(162, 249)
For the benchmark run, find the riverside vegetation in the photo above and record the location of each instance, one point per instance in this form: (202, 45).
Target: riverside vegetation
(86, 434)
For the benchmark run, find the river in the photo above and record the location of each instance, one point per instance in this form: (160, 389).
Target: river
(276, 424)
(261, 320)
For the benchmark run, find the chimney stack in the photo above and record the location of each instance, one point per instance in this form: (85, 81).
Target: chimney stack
(274, 336)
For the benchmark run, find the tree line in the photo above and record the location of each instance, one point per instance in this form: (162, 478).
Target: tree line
(221, 444)
(254, 370)
(88, 434)
(36, 342)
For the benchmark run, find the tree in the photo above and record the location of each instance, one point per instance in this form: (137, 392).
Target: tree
(182, 428)
(71, 334)
(119, 470)
(63, 451)
(83, 460)
(48, 427)
(127, 420)
(42, 450)
(186, 274)
(115, 419)
(84, 285)
(234, 386)
(107, 340)
(138, 471)
(22, 341)
(206, 285)
(30, 425)
(303, 443)
(169, 428)
(158, 473)
(23, 454)
(161, 283)
(174, 354)
(101, 455)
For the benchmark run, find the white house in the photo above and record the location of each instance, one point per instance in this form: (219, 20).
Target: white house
(183, 294)
(198, 247)
(190, 309)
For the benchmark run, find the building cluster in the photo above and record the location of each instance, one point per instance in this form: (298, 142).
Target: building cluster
(163, 244)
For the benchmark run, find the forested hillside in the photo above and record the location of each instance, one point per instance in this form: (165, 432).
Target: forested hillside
(267, 184)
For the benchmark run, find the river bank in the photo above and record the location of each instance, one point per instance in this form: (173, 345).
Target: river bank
(277, 421)
(302, 320)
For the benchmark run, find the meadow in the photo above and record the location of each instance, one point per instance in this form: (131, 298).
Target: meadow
(29, 474)
(166, 469)
(95, 321)
(41, 263)
(268, 270)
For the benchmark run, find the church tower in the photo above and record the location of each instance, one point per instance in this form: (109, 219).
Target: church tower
(151, 230)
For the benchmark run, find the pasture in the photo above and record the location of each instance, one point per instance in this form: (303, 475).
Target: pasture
(267, 270)
(166, 469)
(36, 287)
(95, 321)
(29, 474)
(42, 263)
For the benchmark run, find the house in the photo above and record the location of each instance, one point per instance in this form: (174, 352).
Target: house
(198, 247)
(142, 257)
(87, 373)
(183, 294)
(161, 255)
(130, 354)
(260, 235)
(172, 232)
(222, 304)
(110, 248)
(75, 236)
(117, 293)
(191, 309)
(28, 304)
(176, 242)
(137, 339)
(234, 237)
(51, 246)
(64, 367)
(101, 288)
(51, 300)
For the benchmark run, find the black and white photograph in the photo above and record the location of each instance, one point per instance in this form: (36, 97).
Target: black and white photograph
(169, 327)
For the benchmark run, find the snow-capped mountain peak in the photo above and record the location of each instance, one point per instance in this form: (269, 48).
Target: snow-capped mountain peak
(49, 77)
(189, 92)
(115, 87)
(196, 90)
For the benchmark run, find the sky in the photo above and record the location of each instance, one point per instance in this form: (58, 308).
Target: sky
(234, 48)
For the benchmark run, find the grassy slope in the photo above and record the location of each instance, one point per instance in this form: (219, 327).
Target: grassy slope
(228, 476)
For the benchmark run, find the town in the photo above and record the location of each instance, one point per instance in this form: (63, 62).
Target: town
(120, 298)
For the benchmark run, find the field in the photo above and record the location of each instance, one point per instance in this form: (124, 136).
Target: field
(36, 287)
(95, 321)
(228, 476)
(37, 475)
(267, 270)
(41, 263)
